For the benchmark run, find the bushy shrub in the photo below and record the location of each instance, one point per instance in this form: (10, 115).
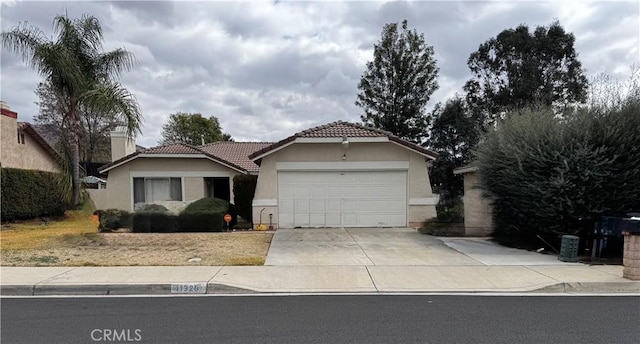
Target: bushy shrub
(549, 176)
(155, 222)
(28, 194)
(204, 215)
(244, 187)
(215, 205)
(201, 221)
(113, 219)
(150, 207)
(154, 218)
(209, 206)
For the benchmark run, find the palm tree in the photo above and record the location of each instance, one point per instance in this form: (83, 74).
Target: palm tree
(82, 75)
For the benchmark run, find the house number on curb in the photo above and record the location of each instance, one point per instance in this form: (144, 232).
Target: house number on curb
(188, 288)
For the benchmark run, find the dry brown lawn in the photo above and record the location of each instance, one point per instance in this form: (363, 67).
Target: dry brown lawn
(74, 241)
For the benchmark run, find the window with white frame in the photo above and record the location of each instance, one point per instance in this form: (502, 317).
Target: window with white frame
(147, 190)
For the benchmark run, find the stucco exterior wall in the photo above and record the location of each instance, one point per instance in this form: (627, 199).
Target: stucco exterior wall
(191, 170)
(9, 140)
(28, 156)
(418, 189)
(477, 209)
(99, 197)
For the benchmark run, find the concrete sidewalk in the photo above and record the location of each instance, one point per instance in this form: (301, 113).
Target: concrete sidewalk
(575, 278)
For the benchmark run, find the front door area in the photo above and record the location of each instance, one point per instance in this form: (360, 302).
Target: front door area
(218, 187)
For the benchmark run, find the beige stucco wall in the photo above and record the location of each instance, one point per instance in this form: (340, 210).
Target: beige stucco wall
(121, 144)
(192, 170)
(419, 187)
(28, 156)
(477, 209)
(99, 197)
(418, 180)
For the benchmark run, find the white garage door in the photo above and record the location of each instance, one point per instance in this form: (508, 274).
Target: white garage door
(349, 199)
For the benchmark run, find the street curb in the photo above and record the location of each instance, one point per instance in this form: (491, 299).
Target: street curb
(112, 289)
(590, 287)
(605, 288)
(217, 288)
(17, 290)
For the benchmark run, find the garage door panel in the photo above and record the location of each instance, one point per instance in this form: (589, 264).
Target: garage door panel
(333, 219)
(286, 220)
(349, 219)
(334, 205)
(334, 191)
(302, 192)
(301, 206)
(316, 220)
(318, 192)
(350, 205)
(287, 192)
(301, 219)
(317, 206)
(351, 198)
(286, 206)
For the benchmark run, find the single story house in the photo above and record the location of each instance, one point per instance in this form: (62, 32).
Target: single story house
(478, 213)
(338, 174)
(23, 147)
(174, 172)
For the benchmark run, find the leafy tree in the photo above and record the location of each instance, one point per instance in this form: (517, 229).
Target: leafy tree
(193, 129)
(398, 83)
(453, 133)
(93, 140)
(80, 74)
(518, 68)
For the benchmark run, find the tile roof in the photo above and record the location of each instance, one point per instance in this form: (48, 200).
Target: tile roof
(236, 152)
(342, 129)
(233, 154)
(172, 148)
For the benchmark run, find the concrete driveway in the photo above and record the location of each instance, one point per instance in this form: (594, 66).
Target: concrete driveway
(361, 246)
(392, 247)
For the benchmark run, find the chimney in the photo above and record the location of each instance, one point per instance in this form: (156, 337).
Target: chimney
(121, 144)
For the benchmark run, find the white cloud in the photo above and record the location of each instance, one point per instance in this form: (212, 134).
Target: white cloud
(268, 70)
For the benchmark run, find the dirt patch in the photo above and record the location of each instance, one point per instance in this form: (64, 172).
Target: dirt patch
(128, 249)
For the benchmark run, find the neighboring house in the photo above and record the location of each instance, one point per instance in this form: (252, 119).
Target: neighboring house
(174, 172)
(22, 146)
(339, 174)
(344, 174)
(477, 208)
(52, 134)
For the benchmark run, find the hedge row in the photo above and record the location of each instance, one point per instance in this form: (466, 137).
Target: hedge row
(205, 215)
(28, 194)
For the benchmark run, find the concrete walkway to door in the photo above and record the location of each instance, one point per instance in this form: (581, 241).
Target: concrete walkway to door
(361, 246)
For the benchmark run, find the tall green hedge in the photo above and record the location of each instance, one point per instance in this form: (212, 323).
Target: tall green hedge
(549, 176)
(28, 194)
(244, 186)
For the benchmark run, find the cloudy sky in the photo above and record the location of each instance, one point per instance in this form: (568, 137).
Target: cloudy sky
(269, 69)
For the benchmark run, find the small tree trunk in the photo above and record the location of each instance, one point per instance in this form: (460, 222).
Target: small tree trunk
(75, 169)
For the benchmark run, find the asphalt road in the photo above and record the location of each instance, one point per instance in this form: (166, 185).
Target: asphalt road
(322, 319)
